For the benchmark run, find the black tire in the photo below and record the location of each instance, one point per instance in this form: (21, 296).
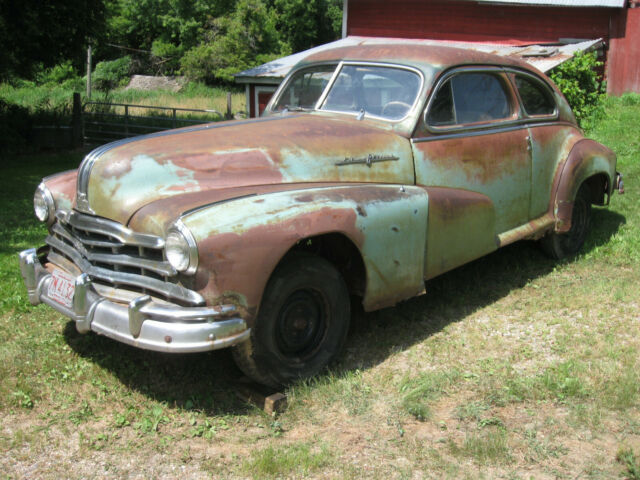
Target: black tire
(302, 323)
(561, 245)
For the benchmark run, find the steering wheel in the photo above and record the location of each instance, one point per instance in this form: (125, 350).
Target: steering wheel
(398, 106)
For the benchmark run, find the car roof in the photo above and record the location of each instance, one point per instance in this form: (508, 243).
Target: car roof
(430, 58)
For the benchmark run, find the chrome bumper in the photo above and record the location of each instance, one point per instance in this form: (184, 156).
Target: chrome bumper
(143, 323)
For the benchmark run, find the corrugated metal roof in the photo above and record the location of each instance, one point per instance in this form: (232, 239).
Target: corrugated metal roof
(543, 57)
(562, 3)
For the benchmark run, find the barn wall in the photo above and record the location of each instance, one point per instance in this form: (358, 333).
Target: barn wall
(469, 21)
(623, 72)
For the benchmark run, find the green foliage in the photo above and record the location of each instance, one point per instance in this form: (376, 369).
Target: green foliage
(303, 24)
(36, 34)
(112, 74)
(57, 74)
(418, 393)
(631, 463)
(579, 81)
(244, 39)
(296, 460)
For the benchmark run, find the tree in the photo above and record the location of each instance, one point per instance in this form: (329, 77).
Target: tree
(233, 43)
(307, 23)
(36, 34)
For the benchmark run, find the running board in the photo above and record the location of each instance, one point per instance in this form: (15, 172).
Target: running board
(531, 230)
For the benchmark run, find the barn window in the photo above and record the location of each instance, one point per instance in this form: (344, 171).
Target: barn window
(536, 99)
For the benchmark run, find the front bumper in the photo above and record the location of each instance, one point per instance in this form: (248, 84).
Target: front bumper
(143, 323)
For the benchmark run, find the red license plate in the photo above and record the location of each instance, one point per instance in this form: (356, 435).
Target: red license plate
(62, 287)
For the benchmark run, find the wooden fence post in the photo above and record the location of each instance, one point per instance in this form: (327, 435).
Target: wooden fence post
(229, 114)
(76, 121)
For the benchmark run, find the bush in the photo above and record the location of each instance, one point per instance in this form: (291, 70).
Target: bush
(112, 74)
(57, 75)
(579, 81)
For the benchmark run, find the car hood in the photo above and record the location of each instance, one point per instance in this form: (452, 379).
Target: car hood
(123, 177)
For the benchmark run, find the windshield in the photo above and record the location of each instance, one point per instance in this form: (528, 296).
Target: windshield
(379, 91)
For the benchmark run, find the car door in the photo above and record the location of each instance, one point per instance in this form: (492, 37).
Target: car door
(470, 139)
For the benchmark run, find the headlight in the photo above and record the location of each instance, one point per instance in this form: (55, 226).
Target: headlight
(180, 249)
(43, 204)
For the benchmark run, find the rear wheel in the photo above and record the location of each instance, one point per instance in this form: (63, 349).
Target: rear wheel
(302, 323)
(561, 245)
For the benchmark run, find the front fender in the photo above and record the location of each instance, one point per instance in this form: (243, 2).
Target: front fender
(240, 242)
(587, 159)
(63, 188)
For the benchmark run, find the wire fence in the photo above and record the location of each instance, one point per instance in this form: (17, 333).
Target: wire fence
(103, 122)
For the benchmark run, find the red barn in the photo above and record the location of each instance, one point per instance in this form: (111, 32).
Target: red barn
(544, 32)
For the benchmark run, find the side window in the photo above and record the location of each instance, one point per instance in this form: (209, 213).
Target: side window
(469, 98)
(535, 97)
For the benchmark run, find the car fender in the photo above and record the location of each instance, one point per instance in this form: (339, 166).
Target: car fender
(586, 159)
(63, 188)
(240, 242)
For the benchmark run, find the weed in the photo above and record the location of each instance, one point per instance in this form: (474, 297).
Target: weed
(293, 460)
(151, 420)
(487, 445)
(82, 414)
(631, 463)
(419, 392)
(22, 399)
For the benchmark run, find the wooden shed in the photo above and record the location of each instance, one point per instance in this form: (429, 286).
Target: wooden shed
(502, 26)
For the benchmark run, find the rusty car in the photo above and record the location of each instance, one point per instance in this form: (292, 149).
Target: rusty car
(374, 169)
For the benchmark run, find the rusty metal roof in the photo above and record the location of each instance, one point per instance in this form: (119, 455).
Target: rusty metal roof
(561, 3)
(543, 57)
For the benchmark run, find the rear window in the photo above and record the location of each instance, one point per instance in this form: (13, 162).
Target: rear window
(536, 98)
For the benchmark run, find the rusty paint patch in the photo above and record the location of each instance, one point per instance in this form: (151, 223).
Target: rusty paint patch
(236, 155)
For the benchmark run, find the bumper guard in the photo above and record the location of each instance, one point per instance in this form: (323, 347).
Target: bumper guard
(143, 323)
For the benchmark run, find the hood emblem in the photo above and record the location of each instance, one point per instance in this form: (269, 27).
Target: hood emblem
(368, 160)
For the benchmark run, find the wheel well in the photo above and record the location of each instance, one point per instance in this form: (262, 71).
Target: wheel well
(342, 253)
(598, 188)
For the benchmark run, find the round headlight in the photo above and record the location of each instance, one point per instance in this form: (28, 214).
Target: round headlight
(43, 204)
(180, 249)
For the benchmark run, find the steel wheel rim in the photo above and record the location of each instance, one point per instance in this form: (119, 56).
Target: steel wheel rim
(301, 324)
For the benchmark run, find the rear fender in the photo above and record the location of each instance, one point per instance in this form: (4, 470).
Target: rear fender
(587, 159)
(240, 242)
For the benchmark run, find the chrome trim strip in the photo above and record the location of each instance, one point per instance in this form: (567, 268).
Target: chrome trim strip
(488, 131)
(163, 328)
(110, 228)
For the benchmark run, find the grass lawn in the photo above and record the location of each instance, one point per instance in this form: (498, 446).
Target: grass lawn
(60, 99)
(513, 366)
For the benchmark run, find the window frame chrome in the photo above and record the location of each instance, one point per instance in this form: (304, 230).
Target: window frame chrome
(516, 109)
(511, 73)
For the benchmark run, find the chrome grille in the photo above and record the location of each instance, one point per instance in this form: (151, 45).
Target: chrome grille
(115, 256)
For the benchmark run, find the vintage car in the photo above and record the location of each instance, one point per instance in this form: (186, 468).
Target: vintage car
(374, 169)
